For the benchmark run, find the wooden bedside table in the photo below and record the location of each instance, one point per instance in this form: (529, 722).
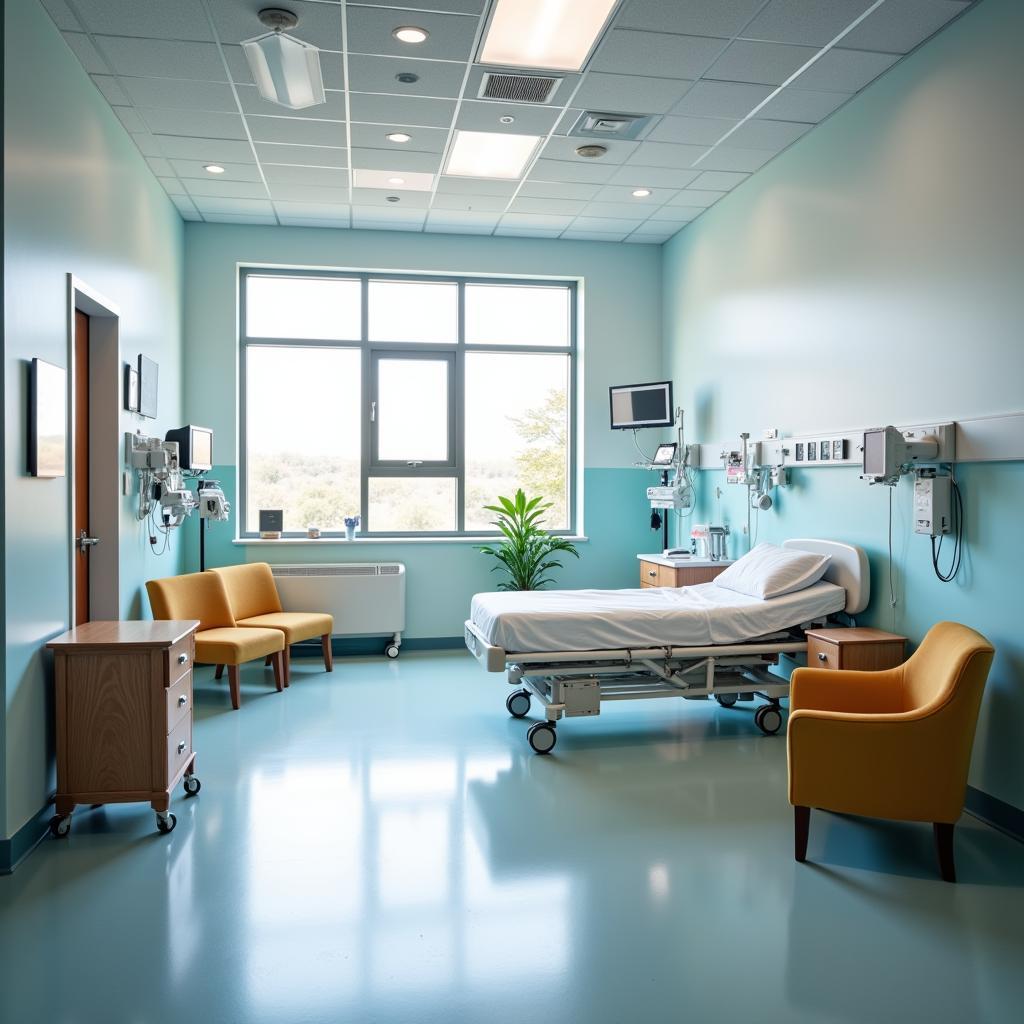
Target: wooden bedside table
(661, 571)
(860, 648)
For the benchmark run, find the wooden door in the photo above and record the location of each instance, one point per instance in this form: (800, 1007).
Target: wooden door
(81, 467)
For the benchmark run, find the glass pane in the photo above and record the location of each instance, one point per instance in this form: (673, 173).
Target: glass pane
(412, 410)
(413, 311)
(318, 308)
(499, 314)
(402, 504)
(302, 435)
(517, 432)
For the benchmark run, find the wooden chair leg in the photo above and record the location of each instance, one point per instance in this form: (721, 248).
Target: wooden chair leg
(219, 672)
(277, 660)
(801, 829)
(269, 661)
(286, 657)
(325, 643)
(233, 685)
(944, 850)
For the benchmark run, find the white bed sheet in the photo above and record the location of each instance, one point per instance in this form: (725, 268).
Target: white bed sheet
(597, 620)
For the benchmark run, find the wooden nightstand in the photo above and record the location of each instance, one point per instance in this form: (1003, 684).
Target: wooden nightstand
(660, 571)
(860, 648)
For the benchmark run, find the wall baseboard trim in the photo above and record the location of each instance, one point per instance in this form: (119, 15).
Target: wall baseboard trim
(362, 646)
(13, 851)
(995, 812)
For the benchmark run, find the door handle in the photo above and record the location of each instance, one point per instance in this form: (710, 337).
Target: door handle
(84, 542)
(373, 411)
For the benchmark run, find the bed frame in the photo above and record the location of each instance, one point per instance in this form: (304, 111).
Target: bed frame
(575, 683)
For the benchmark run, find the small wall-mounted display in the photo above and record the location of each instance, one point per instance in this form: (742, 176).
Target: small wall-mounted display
(149, 376)
(839, 449)
(47, 419)
(824, 451)
(131, 388)
(812, 451)
(799, 451)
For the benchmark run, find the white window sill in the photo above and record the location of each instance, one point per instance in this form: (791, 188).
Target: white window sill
(338, 541)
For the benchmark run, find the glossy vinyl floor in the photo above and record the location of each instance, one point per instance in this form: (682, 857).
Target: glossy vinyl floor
(380, 845)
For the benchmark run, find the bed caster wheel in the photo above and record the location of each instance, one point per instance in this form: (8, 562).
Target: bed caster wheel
(542, 737)
(727, 700)
(60, 826)
(192, 785)
(391, 651)
(165, 821)
(768, 718)
(518, 703)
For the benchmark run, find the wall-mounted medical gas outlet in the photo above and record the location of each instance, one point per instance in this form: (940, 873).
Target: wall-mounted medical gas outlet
(679, 497)
(933, 505)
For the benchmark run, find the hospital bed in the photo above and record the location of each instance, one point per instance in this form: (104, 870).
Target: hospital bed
(574, 649)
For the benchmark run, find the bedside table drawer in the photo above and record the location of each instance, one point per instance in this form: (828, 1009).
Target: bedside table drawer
(179, 701)
(179, 748)
(650, 573)
(822, 655)
(179, 659)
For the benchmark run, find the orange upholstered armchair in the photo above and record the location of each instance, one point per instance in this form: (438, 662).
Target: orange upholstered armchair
(256, 604)
(892, 744)
(219, 641)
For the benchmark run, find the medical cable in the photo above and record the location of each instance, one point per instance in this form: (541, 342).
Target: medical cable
(958, 548)
(892, 591)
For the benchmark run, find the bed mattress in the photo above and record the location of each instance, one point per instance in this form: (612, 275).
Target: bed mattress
(601, 620)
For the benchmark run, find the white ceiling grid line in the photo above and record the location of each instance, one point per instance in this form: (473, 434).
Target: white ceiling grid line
(726, 87)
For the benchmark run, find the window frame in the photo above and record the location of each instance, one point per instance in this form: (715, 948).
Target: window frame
(370, 354)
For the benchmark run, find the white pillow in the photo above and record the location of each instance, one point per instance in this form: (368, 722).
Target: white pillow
(769, 571)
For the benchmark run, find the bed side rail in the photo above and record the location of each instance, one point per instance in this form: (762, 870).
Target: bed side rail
(492, 658)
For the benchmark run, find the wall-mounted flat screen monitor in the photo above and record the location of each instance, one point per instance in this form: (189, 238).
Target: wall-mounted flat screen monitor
(641, 405)
(195, 447)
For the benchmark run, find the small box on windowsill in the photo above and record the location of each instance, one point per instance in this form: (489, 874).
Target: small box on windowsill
(271, 523)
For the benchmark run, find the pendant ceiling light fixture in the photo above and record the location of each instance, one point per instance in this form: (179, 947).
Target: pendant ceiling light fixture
(286, 70)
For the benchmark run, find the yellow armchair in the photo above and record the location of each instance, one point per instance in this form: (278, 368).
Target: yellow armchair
(892, 744)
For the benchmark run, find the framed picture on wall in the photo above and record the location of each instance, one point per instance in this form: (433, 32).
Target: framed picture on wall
(131, 388)
(149, 376)
(47, 419)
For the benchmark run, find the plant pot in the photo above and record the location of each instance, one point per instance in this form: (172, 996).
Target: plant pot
(350, 533)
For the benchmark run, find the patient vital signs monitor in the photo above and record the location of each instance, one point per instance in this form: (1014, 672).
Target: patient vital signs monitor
(641, 405)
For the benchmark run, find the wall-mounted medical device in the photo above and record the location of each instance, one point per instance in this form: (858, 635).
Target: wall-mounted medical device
(213, 503)
(888, 454)
(195, 447)
(161, 483)
(635, 406)
(933, 504)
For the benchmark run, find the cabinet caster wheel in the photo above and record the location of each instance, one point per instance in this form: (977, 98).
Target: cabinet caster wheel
(192, 785)
(518, 703)
(60, 826)
(727, 700)
(541, 737)
(391, 651)
(165, 822)
(768, 718)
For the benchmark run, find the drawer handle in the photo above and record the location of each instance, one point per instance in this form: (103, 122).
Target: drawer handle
(182, 701)
(652, 572)
(822, 656)
(182, 659)
(181, 747)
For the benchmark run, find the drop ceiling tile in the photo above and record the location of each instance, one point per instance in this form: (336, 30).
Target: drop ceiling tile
(423, 140)
(899, 27)
(652, 177)
(693, 131)
(558, 207)
(631, 94)
(378, 74)
(514, 232)
(447, 6)
(449, 185)
(387, 181)
(586, 171)
(660, 227)
(186, 207)
(232, 171)
(162, 92)
(387, 219)
(594, 236)
(561, 148)
(319, 23)
(162, 58)
(721, 99)
(241, 218)
(278, 174)
(793, 104)
(148, 145)
(558, 190)
(312, 222)
(729, 158)
(305, 156)
(209, 186)
(444, 221)
(675, 214)
(809, 22)
(845, 70)
(130, 118)
(312, 211)
(540, 221)
(88, 56)
(569, 117)
(632, 211)
(209, 151)
(666, 154)
(154, 19)
(604, 224)
(371, 108)
(719, 181)
(661, 56)
(111, 90)
(296, 131)
(62, 16)
(333, 109)
(330, 68)
(483, 116)
(624, 194)
(310, 194)
(470, 204)
(759, 133)
(759, 63)
(656, 239)
(204, 124)
(369, 31)
(694, 17)
(695, 197)
(172, 186)
(408, 201)
(244, 207)
(396, 160)
(160, 167)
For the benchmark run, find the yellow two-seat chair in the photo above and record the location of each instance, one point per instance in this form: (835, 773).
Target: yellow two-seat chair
(892, 744)
(219, 640)
(256, 604)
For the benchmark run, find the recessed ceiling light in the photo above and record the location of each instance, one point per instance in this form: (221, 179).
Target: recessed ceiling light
(213, 168)
(407, 78)
(398, 137)
(490, 154)
(557, 35)
(641, 193)
(396, 181)
(410, 34)
(507, 119)
(407, 181)
(592, 151)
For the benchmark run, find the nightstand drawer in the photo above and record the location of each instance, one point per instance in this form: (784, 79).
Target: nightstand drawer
(822, 655)
(179, 748)
(179, 659)
(650, 573)
(856, 653)
(179, 701)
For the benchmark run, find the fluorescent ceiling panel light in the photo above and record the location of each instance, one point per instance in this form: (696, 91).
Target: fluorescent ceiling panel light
(490, 154)
(556, 35)
(286, 70)
(413, 181)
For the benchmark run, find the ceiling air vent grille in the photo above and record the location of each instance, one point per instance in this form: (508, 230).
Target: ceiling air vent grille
(518, 88)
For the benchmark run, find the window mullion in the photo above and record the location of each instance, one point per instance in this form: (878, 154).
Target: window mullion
(368, 425)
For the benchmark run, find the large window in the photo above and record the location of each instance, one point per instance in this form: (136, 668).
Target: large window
(409, 401)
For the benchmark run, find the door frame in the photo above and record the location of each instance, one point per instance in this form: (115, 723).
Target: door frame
(105, 376)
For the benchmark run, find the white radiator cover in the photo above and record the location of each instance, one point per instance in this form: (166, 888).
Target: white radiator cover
(363, 597)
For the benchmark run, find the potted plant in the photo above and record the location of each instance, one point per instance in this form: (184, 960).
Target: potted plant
(351, 525)
(525, 554)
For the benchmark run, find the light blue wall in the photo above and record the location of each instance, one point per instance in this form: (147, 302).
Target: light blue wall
(78, 198)
(621, 343)
(872, 274)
